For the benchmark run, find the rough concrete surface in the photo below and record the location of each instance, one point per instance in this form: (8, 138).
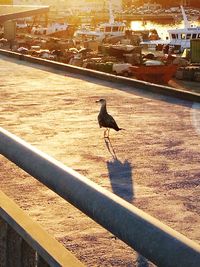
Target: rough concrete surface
(155, 166)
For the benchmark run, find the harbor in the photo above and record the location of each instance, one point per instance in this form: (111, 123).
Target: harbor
(99, 136)
(115, 48)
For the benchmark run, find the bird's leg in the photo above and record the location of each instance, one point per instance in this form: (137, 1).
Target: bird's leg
(107, 130)
(105, 133)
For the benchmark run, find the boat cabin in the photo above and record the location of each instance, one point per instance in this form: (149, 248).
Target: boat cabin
(182, 37)
(112, 29)
(102, 31)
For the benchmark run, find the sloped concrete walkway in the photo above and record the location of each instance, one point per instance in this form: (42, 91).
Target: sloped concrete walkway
(153, 163)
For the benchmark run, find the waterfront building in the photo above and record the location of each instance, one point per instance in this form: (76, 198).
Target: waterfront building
(152, 6)
(27, 2)
(81, 5)
(59, 8)
(95, 5)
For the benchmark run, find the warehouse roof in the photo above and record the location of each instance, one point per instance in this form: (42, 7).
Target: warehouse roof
(9, 12)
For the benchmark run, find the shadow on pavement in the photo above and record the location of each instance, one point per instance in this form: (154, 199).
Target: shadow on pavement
(120, 174)
(142, 261)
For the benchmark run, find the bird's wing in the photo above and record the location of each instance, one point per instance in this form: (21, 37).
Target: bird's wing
(106, 120)
(101, 121)
(111, 122)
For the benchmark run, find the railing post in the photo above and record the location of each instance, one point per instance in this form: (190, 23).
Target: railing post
(28, 255)
(13, 249)
(3, 233)
(41, 262)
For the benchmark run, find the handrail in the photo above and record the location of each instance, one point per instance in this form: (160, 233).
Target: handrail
(148, 236)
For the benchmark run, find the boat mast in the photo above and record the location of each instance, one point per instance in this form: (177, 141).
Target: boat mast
(111, 17)
(186, 22)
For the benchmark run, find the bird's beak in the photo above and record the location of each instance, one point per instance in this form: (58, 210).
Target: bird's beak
(97, 101)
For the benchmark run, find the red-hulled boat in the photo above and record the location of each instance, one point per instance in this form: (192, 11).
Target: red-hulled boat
(154, 73)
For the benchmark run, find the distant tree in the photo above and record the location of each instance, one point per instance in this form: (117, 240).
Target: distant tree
(6, 2)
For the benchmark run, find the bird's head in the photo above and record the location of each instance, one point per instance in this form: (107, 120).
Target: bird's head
(101, 101)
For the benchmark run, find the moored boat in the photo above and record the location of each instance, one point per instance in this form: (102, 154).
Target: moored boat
(104, 30)
(179, 39)
(154, 73)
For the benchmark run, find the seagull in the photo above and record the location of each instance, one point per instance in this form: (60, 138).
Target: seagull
(105, 119)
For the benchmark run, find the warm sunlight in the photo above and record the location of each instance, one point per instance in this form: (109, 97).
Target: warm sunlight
(137, 25)
(162, 29)
(109, 90)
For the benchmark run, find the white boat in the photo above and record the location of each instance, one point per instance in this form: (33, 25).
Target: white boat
(178, 38)
(182, 37)
(50, 29)
(107, 29)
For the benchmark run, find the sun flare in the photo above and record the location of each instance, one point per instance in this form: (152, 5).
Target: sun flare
(137, 25)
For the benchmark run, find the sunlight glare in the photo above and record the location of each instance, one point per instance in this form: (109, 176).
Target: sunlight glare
(149, 25)
(137, 25)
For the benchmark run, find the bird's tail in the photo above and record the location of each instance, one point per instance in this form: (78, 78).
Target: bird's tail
(122, 129)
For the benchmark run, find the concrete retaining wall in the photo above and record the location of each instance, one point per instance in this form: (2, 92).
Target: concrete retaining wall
(136, 84)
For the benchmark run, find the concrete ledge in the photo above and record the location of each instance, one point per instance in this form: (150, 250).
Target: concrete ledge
(47, 247)
(136, 84)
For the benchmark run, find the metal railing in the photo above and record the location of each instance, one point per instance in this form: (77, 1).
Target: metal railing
(148, 236)
(23, 243)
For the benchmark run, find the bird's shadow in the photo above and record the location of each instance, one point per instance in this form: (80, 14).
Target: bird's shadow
(121, 178)
(142, 261)
(120, 174)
